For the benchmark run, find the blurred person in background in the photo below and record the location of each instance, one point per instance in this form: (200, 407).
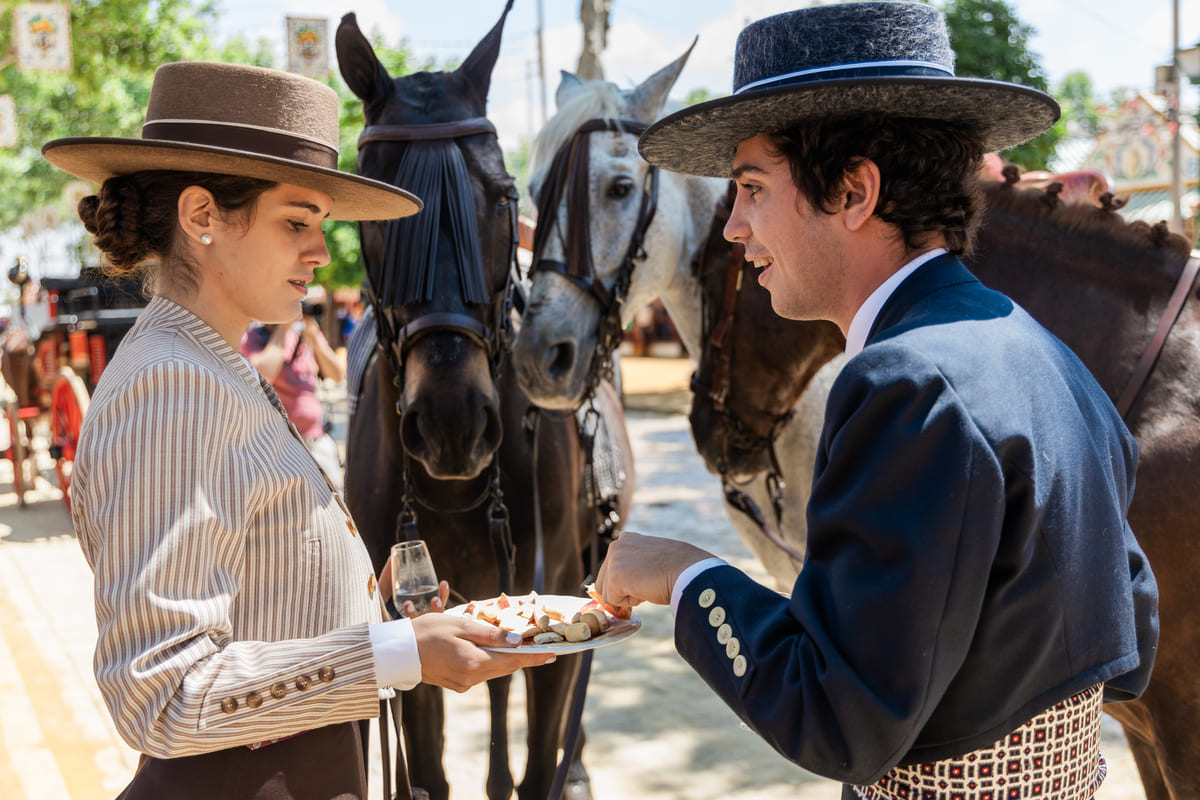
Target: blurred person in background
(294, 357)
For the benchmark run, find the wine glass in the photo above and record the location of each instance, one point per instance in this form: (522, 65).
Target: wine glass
(413, 577)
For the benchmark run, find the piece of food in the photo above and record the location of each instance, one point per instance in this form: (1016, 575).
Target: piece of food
(620, 612)
(545, 620)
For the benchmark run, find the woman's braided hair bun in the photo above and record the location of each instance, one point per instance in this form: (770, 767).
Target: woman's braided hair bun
(116, 218)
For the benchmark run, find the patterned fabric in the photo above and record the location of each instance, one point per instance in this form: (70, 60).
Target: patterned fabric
(359, 351)
(1056, 755)
(208, 525)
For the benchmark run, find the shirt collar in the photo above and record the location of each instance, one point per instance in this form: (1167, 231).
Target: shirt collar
(864, 318)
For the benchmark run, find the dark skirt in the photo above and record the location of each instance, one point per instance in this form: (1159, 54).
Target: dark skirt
(324, 764)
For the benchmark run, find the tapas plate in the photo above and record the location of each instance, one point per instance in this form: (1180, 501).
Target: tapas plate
(618, 631)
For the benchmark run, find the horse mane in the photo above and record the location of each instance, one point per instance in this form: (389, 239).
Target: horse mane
(1080, 221)
(595, 99)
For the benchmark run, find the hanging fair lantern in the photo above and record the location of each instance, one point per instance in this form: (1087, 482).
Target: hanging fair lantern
(308, 46)
(43, 35)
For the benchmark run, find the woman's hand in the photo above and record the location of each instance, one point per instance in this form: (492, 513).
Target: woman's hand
(437, 604)
(409, 610)
(451, 654)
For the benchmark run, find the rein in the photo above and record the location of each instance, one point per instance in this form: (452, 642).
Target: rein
(719, 342)
(1141, 372)
(568, 177)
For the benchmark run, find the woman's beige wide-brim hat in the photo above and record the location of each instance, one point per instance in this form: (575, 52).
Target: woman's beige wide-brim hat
(233, 119)
(852, 58)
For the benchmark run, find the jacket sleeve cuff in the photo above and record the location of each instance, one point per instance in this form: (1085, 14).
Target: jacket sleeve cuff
(687, 576)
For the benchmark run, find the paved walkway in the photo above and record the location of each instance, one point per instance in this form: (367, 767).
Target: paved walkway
(655, 732)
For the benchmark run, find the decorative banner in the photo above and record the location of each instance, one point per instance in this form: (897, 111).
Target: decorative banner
(8, 121)
(308, 46)
(43, 35)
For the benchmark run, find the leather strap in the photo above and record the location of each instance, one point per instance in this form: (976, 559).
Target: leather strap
(1187, 278)
(425, 133)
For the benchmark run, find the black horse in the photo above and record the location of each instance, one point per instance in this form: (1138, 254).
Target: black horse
(437, 444)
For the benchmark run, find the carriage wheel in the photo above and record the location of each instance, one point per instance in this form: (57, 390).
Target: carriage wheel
(17, 450)
(68, 404)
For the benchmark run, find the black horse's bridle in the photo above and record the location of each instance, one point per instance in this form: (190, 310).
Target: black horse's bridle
(395, 340)
(494, 339)
(569, 176)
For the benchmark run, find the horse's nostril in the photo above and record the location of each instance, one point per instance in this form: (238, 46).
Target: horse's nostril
(561, 359)
(410, 432)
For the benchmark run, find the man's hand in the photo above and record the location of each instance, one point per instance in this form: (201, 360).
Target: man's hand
(643, 569)
(450, 657)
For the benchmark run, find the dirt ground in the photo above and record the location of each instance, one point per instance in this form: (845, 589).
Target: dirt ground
(655, 731)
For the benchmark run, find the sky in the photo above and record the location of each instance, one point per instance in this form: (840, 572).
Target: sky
(1117, 42)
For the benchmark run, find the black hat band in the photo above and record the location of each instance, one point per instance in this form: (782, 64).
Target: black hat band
(248, 139)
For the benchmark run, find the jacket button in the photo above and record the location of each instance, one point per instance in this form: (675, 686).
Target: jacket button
(733, 647)
(229, 705)
(739, 666)
(716, 617)
(303, 682)
(707, 598)
(724, 633)
(254, 700)
(279, 691)
(350, 525)
(371, 585)
(325, 674)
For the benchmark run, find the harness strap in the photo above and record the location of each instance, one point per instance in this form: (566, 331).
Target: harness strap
(427, 132)
(444, 320)
(1187, 278)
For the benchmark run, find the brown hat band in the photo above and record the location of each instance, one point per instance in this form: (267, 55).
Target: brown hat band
(240, 137)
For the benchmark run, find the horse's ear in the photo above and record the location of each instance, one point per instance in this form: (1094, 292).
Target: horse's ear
(478, 66)
(358, 63)
(568, 85)
(646, 101)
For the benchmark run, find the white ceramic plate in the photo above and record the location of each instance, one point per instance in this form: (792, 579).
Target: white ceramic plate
(619, 631)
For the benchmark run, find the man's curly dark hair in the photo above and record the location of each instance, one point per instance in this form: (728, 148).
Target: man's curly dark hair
(929, 171)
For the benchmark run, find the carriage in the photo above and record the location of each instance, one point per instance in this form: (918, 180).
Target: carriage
(50, 369)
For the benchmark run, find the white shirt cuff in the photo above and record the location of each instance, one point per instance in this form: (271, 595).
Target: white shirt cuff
(394, 648)
(687, 576)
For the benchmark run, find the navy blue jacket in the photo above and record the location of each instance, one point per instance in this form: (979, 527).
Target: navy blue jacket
(969, 561)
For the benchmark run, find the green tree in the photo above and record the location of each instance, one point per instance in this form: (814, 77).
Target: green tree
(989, 41)
(1075, 95)
(116, 45)
(346, 266)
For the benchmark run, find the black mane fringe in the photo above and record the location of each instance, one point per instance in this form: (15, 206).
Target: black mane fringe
(437, 173)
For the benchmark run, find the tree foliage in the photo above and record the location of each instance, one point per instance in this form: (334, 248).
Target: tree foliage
(1075, 94)
(989, 41)
(116, 45)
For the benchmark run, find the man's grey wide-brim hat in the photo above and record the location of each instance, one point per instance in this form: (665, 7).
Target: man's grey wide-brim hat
(888, 57)
(233, 119)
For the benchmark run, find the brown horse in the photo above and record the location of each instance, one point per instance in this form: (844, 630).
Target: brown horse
(436, 443)
(1101, 285)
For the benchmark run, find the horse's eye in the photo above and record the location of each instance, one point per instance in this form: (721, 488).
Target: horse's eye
(621, 187)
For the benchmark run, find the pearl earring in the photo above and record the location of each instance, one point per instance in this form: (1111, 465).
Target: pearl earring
(206, 238)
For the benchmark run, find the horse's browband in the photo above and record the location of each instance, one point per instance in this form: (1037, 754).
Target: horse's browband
(425, 133)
